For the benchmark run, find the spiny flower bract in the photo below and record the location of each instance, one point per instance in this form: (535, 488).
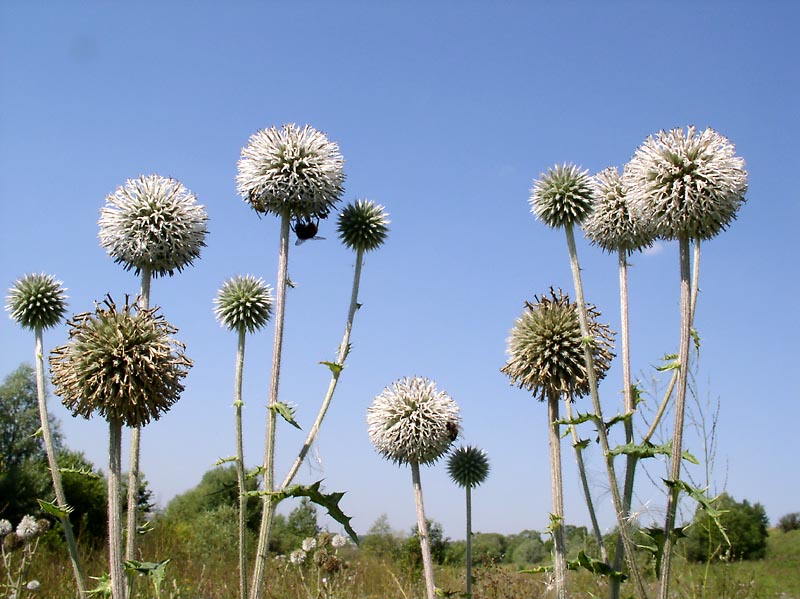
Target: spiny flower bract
(468, 466)
(363, 225)
(688, 184)
(244, 303)
(153, 222)
(122, 364)
(562, 196)
(412, 421)
(545, 348)
(37, 301)
(614, 224)
(291, 169)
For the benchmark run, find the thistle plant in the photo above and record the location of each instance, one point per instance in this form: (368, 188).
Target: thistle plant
(468, 467)
(690, 185)
(124, 365)
(564, 197)
(546, 356)
(414, 423)
(243, 304)
(154, 226)
(18, 549)
(37, 302)
(293, 173)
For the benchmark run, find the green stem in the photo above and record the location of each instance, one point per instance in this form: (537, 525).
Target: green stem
(622, 521)
(680, 402)
(422, 527)
(52, 462)
(557, 493)
(469, 541)
(268, 504)
(114, 510)
(240, 466)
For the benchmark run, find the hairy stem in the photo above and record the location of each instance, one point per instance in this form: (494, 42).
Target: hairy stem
(114, 510)
(469, 541)
(422, 526)
(237, 406)
(557, 493)
(52, 462)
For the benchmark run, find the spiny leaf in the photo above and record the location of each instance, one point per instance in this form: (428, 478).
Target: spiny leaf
(87, 472)
(39, 432)
(221, 461)
(157, 571)
(648, 450)
(618, 418)
(656, 545)
(582, 444)
(335, 367)
(62, 512)
(537, 570)
(290, 283)
(579, 419)
(103, 588)
(673, 365)
(636, 394)
(696, 338)
(257, 471)
(286, 412)
(595, 566)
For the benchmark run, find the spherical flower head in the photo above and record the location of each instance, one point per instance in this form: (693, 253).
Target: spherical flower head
(468, 466)
(688, 184)
(562, 196)
(37, 301)
(297, 557)
(123, 364)
(153, 223)
(291, 169)
(413, 422)
(363, 225)
(27, 528)
(5, 528)
(545, 348)
(614, 224)
(33, 586)
(309, 544)
(244, 303)
(338, 541)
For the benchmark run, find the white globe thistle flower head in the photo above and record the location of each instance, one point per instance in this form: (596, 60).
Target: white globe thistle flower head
(614, 224)
(291, 169)
(37, 301)
(27, 528)
(244, 303)
(297, 557)
(153, 222)
(33, 586)
(413, 422)
(363, 225)
(688, 184)
(338, 541)
(562, 196)
(5, 528)
(309, 544)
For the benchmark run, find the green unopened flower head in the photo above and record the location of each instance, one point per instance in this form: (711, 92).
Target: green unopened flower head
(562, 196)
(614, 224)
(37, 301)
(468, 466)
(413, 422)
(545, 348)
(291, 168)
(123, 364)
(363, 225)
(153, 222)
(688, 184)
(243, 303)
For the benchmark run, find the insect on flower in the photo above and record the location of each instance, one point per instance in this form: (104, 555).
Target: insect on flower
(305, 229)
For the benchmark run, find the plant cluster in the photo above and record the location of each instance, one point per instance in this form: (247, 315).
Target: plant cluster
(18, 547)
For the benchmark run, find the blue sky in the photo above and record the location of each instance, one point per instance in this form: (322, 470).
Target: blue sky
(445, 114)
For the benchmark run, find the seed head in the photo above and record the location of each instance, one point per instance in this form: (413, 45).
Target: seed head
(562, 196)
(412, 422)
(243, 303)
(688, 184)
(297, 557)
(292, 169)
(363, 225)
(37, 301)
(5, 528)
(33, 586)
(123, 364)
(613, 224)
(338, 541)
(545, 348)
(153, 222)
(27, 528)
(468, 466)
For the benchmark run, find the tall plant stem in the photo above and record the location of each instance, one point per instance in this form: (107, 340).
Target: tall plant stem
(268, 503)
(680, 402)
(136, 436)
(52, 462)
(422, 527)
(468, 489)
(557, 493)
(583, 319)
(114, 510)
(237, 406)
(576, 444)
(335, 372)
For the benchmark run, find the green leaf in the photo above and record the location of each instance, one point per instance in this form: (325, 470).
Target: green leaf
(39, 433)
(537, 570)
(87, 472)
(618, 418)
(290, 283)
(103, 588)
(648, 450)
(286, 412)
(696, 338)
(335, 367)
(674, 365)
(637, 394)
(155, 570)
(61, 513)
(582, 444)
(222, 461)
(257, 471)
(656, 545)
(579, 419)
(595, 566)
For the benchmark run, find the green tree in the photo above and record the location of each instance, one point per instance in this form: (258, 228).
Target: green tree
(745, 526)
(488, 548)
(380, 540)
(86, 491)
(411, 550)
(789, 522)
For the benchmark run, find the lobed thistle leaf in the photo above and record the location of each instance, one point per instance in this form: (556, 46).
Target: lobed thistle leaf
(614, 224)
(291, 169)
(243, 303)
(687, 184)
(123, 364)
(468, 466)
(363, 225)
(562, 196)
(545, 348)
(153, 222)
(413, 422)
(37, 301)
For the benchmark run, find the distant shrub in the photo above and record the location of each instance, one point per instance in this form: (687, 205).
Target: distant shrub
(789, 522)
